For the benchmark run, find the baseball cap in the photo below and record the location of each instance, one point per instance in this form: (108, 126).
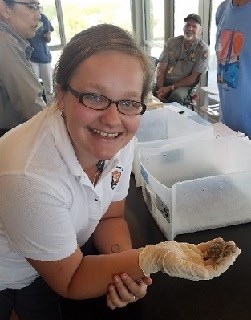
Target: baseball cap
(193, 16)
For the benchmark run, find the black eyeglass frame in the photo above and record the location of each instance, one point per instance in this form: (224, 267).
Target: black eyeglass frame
(80, 95)
(32, 6)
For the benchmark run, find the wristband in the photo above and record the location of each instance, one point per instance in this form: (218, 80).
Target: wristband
(173, 87)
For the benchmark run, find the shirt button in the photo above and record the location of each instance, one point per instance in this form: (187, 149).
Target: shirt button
(96, 199)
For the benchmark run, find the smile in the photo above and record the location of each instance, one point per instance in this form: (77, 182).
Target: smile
(106, 134)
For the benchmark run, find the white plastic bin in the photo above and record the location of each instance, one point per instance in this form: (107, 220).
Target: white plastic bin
(161, 126)
(197, 185)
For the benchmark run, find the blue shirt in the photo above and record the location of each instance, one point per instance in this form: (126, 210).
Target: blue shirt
(41, 52)
(233, 48)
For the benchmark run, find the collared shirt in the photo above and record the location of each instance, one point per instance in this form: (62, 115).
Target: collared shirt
(181, 61)
(20, 90)
(48, 205)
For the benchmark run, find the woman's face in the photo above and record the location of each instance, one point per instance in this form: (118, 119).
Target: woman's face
(21, 18)
(101, 134)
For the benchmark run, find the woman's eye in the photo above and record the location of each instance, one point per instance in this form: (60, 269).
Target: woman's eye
(94, 97)
(126, 103)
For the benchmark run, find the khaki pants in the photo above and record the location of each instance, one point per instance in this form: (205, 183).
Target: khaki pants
(178, 95)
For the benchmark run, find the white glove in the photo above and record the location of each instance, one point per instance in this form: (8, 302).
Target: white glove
(189, 261)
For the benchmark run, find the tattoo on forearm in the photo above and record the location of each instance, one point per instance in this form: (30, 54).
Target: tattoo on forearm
(115, 248)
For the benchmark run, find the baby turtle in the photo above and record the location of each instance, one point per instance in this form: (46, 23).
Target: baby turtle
(219, 250)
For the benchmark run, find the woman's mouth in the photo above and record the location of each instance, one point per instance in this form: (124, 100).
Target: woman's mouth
(111, 135)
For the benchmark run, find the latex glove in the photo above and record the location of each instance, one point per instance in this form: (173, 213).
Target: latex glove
(188, 261)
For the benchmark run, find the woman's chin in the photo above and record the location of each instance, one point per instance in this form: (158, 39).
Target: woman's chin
(107, 152)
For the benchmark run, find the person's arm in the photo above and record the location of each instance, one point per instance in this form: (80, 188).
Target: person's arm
(95, 272)
(162, 66)
(50, 246)
(187, 81)
(112, 234)
(82, 277)
(53, 235)
(160, 74)
(79, 277)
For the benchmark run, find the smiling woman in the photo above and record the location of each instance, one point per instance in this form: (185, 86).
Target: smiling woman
(83, 147)
(90, 76)
(64, 179)
(100, 133)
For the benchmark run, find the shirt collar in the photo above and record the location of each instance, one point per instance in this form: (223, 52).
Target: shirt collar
(23, 43)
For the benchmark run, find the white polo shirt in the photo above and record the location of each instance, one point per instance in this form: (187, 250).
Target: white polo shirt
(48, 205)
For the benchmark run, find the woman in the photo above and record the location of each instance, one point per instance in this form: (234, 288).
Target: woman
(66, 175)
(20, 90)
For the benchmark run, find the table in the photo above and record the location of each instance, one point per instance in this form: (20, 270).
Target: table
(223, 298)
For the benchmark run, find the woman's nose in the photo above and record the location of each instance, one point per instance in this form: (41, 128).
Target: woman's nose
(111, 115)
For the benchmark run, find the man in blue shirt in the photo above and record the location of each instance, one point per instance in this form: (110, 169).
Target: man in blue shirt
(41, 56)
(233, 49)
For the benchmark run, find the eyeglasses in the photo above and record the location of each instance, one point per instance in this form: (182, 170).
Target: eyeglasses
(99, 102)
(32, 6)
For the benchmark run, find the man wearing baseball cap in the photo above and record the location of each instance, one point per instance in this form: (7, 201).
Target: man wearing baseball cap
(182, 62)
(193, 16)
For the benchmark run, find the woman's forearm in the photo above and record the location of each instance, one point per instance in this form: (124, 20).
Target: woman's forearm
(95, 273)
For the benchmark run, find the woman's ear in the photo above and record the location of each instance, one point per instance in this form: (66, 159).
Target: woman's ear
(60, 96)
(4, 10)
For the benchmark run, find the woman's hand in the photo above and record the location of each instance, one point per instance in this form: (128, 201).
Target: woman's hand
(125, 290)
(189, 261)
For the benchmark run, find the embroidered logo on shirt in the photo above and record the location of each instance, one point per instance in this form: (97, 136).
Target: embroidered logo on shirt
(192, 56)
(116, 174)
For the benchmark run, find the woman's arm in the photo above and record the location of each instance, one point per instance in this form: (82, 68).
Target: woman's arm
(81, 277)
(89, 276)
(112, 234)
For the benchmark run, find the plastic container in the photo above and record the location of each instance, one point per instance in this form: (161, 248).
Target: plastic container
(162, 126)
(197, 185)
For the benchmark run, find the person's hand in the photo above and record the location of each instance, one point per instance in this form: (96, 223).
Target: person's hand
(47, 37)
(162, 92)
(189, 261)
(125, 290)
